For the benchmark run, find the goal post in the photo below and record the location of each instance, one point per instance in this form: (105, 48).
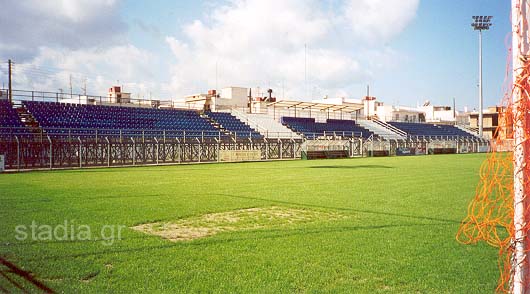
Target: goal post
(499, 214)
(521, 162)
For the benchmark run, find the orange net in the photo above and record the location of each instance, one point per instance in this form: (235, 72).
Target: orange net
(491, 213)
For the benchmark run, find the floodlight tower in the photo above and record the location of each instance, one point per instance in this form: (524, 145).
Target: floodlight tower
(480, 23)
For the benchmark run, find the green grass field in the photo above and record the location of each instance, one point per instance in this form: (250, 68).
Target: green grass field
(395, 230)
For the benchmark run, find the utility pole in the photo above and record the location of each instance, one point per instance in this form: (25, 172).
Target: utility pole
(249, 100)
(71, 91)
(283, 89)
(216, 76)
(305, 71)
(84, 87)
(10, 90)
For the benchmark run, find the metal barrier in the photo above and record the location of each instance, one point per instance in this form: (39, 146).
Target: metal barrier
(27, 152)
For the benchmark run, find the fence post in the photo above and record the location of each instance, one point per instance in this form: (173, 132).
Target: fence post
(200, 148)
(266, 149)
(280, 148)
(133, 151)
(18, 153)
(157, 149)
(80, 152)
(108, 151)
(218, 151)
(179, 152)
(51, 152)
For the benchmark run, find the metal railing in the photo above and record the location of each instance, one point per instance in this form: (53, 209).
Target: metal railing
(46, 96)
(266, 132)
(38, 132)
(390, 127)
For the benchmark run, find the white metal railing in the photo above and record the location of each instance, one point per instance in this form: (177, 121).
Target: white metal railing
(248, 121)
(390, 127)
(75, 98)
(318, 115)
(265, 131)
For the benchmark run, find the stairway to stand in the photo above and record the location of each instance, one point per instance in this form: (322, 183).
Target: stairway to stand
(216, 125)
(29, 121)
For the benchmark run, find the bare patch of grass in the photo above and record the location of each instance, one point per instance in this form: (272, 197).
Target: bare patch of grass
(236, 220)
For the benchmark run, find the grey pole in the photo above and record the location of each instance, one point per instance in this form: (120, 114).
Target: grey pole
(479, 24)
(480, 97)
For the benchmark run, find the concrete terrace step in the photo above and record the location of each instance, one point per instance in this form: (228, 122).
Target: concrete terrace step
(380, 130)
(266, 125)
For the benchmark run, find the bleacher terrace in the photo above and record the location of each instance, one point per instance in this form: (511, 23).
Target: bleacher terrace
(431, 130)
(332, 127)
(79, 119)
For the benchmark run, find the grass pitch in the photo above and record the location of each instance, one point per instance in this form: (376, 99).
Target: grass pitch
(395, 234)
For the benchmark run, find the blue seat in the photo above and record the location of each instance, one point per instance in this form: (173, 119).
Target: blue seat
(10, 123)
(431, 130)
(234, 125)
(114, 118)
(312, 129)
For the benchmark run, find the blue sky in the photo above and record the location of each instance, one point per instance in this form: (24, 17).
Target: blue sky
(443, 54)
(408, 51)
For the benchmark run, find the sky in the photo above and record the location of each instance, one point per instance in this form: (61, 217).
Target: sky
(407, 51)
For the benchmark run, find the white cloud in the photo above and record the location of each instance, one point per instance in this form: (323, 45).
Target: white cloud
(84, 39)
(25, 26)
(99, 68)
(240, 43)
(379, 19)
(253, 42)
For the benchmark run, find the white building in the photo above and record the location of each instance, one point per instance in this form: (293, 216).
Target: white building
(230, 97)
(117, 96)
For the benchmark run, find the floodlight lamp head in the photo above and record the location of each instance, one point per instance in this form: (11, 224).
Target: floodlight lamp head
(481, 22)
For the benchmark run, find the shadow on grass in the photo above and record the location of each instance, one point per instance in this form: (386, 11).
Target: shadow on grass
(263, 235)
(351, 166)
(25, 281)
(420, 217)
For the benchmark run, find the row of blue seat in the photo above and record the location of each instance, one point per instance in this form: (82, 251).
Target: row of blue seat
(233, 124)
(310, 128)
(78, 116)
(425, 129)
(53, 116)
(8, 115)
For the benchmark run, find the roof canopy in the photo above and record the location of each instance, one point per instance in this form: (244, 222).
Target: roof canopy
(320, 106)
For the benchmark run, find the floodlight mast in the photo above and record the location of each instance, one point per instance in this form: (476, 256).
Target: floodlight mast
(479, 24)
(520, 52)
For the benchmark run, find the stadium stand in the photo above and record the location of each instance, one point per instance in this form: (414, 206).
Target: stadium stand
(10, 122)
(456, 131)
(309, 128)
(232, 124)
(266, 125)
(9, 116)
(380, 130)
(430, 130)
(109, 120)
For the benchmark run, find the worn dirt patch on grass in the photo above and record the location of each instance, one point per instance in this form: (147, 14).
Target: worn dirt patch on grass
(236, 220)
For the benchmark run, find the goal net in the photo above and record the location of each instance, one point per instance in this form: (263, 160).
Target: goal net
(499, 213)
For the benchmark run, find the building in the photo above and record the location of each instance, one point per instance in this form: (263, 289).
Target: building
(490, 118)
(230, 97)
(117, 96)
